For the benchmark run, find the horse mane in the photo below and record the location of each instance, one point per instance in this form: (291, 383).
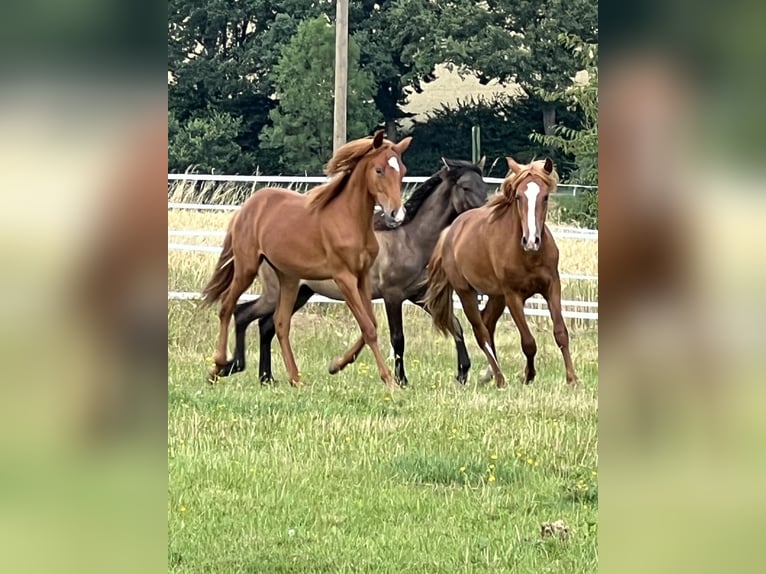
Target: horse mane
(456, 169)
(339, 169)
(503, 201)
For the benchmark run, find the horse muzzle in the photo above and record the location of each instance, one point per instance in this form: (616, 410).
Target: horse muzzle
(530, 244)
(394, 218)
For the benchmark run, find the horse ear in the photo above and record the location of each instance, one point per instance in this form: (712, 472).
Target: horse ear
(548, 167)
(377, 141)
(480, 165)
(402, 146)
(512, 165)
(444, 161)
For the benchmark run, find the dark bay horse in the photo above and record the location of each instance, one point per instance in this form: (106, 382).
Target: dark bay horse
(327, 234)
(504, 250)
(396, 276)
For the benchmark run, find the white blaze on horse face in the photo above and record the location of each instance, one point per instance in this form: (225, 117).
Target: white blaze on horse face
(394, 163)
(400, 213)
(531, 192)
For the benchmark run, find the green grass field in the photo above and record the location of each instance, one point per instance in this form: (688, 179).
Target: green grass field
(343, 477)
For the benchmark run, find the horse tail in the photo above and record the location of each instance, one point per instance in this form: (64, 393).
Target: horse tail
(223, 275)
(438, 299)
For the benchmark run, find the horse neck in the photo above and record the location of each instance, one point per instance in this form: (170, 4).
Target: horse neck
(434, 214)
(355, 203)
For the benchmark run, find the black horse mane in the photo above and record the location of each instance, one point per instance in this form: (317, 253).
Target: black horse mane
(457, 167)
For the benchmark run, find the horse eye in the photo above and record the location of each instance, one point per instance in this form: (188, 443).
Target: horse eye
(379, 170)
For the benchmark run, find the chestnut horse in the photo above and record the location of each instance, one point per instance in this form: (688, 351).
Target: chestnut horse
(504, 250)
(326, 234)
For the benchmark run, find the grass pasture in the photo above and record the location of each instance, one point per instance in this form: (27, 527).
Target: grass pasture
(343, 477)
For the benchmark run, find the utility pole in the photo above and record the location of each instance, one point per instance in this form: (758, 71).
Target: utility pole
(341, 74)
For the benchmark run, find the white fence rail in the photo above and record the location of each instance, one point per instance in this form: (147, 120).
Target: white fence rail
(322, 179)
(531, 311)
(570, 309)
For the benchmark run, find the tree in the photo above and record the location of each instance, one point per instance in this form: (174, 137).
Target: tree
(505, 122)
(582, 141)
(220, 57)
(304, 81)
(517, 40)
(205, 142)
(396, 39)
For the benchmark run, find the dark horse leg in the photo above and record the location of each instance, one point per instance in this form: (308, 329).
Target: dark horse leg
(463, 360)
(261, 310)
(396, 330)
(267, 332)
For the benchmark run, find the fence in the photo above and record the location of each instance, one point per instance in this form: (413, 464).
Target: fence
(564, 188)
(534, 306)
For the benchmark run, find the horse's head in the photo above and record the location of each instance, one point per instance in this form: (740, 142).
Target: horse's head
(530, 186)
(467, 188)
(384, 173)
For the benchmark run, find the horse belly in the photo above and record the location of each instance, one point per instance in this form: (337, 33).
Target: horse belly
(326, 288)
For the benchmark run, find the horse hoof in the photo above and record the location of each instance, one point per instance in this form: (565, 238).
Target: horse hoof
(267, 380)
(461, 379)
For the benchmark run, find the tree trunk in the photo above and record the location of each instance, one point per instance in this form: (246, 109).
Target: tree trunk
(549, 120)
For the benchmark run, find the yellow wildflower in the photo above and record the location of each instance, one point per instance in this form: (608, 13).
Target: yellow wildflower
(493, 457)
(462, 469)
(491, 478)
(182, 509)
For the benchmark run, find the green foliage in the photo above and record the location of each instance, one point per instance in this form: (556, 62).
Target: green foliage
(505, 127)
(220, 54)
(398, 42)
(302, 122)
(581, 141)
(207, 143)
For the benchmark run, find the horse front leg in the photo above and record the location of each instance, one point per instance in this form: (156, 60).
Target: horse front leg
(560, 332)
(358, 296)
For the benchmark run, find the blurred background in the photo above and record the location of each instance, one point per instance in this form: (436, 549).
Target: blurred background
(82, 315)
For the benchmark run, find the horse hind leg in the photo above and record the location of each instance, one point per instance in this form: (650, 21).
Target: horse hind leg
(267, 331)
(490, 316)
(288, 292)
(471, 310)
(242, 279)
(244, 314)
